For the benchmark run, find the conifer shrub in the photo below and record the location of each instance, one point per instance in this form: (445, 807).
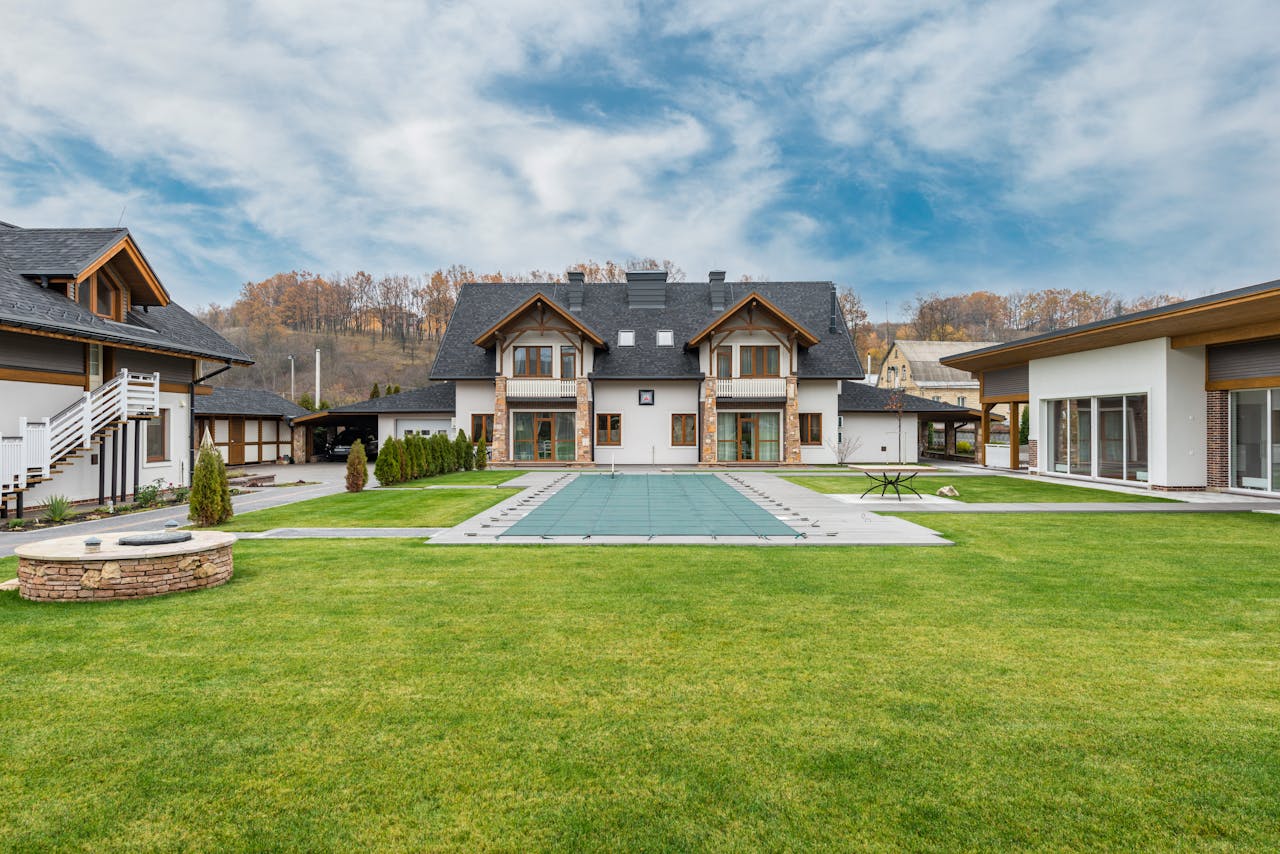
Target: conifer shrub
(402, 457)
(462, 448)
(210, 500)
(387, 468)
(482, 454)
(357, 467)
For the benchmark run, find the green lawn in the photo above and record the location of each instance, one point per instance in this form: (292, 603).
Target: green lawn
(488, 477)
(376, 508)
(981, 489)
(1051, 682)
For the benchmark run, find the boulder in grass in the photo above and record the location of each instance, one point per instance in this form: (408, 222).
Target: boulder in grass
(949, 492)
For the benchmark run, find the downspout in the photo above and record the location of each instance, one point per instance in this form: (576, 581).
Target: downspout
(591, 415)
(191, 418)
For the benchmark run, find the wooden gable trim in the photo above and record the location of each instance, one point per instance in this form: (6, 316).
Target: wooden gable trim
(126, 246)
(494, 333)
(749, 302)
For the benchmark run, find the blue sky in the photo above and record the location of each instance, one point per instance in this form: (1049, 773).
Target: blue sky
(899, 148)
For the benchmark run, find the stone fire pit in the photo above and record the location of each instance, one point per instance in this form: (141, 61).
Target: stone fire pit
(73, 569)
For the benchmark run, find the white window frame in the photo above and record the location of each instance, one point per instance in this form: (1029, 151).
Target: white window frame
(1231, 443)
(626, 338)
(670, 336)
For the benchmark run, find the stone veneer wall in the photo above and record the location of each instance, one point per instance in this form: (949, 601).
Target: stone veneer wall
(582, 423)
(92, 580)
(710, 424)
(498, 450)
(1218, 427)
(791, 423)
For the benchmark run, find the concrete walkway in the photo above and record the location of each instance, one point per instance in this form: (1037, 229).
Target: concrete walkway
(329, 478)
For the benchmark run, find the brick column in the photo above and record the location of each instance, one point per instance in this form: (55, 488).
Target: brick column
(791, 424)
(582, 424)
(710, 423)
(498, 451)
(1033, 455)
(1218, 449)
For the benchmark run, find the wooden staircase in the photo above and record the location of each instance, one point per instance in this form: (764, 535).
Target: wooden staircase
(47, 446)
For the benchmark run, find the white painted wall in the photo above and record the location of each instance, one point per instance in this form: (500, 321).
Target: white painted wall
(879, 434)
(737, 340)
(472, 396)
(79, 482)
(646, 430)
(547, 339)
(1173, 381)
(422, 422)
(820, 396)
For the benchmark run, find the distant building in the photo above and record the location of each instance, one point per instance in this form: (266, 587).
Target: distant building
(916, 368)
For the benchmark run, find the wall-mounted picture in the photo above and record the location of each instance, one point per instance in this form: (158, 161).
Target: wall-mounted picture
(646, 397)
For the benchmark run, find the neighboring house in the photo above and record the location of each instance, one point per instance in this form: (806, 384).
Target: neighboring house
(869, 419)
(1181, 397)
(649, 371)
(249, 425)
(99, 369)
(425, 411)
(916, 367)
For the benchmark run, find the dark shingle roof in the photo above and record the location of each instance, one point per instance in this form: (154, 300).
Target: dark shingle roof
(246, 401)
(604, 309)
(434, 398)
(24, 303)
(860, 397)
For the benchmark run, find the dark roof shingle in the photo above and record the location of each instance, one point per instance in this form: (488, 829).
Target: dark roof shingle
(860, 397)
(438, 397)
(246, 401)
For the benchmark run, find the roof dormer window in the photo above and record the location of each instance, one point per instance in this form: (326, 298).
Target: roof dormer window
(106, 298)
(666, 338)
(626, 338)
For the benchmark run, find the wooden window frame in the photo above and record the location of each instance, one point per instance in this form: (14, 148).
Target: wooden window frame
(486, 427)
(99, 280)
(724, 357)
(688, 429)
(163, 418)
(571, 353)
(758, 363)
(605, 435)
(807, 421)
(532, 367)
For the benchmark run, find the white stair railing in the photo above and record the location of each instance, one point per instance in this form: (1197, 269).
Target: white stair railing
(41, 444)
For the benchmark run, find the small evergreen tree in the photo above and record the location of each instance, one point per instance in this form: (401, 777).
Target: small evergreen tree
(1024, 426)
(210, 500)
(418, 460)
(462, 447)
(387, 468)
(482, 454)
(446, 453)
(402, 459)
(388, 391)
(307, 402)
(357, 467)
(397, 391)
(375, 393)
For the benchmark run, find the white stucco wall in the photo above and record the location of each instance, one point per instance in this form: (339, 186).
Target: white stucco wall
(879, 434)
(472, 396)
(1173, 381)
(79, 482)
(646, 430)
(396, 424)
(820, 396)
(553, 340)
(737, 340)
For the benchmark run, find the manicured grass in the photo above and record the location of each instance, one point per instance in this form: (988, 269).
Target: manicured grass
(488, 477)
(1051, 682)
(982, 489)
(377, 508)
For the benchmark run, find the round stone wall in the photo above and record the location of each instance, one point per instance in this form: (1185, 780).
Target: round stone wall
(63, 570)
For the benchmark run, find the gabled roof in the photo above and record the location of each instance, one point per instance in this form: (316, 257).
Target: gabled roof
(439, 397)
(750, 301)
(925, 357)
(488, 337)
(1243, 314)
(74, 253)
(222, 400)
(26, 306)
(860, 397)
(686, 312)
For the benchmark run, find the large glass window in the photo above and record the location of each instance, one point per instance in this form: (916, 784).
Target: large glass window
(568, 362)
(542, 436)
(684, 430)
(158, 437)
(758, 361)
(724, 362)
(748, 437)
(1249, 441)
(482, 425)
(608, 428)
(1275, 440)
(1110, 430)
(532, 362)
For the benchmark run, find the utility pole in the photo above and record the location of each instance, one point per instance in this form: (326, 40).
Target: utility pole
(317, 400)
(292, 396)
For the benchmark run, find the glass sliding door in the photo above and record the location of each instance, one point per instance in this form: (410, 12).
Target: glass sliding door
(1060, 425)
(1081, 436)
(1111, 437)
(1250, 445)
(1275, 440)
(768, 444)
(1135, 429)
(727, 437)
(542, 437)
(563, 433)
(743, 437)
(522, 443)
(1099, 437)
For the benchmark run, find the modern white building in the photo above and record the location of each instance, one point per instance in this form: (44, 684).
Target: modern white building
(1181, 397)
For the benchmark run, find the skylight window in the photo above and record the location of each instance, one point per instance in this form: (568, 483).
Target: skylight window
(666, 338)
(626, 338)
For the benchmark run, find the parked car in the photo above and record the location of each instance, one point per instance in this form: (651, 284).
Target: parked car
(341, 445)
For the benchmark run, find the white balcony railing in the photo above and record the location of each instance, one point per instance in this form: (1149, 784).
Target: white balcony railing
(756, 387)
(541, 389)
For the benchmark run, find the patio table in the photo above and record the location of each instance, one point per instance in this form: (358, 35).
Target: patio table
(888, 477)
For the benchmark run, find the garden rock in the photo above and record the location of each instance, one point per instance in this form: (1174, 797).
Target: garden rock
(949, 492)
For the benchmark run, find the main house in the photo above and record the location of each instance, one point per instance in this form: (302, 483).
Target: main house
(99, 368)
(1181, 397)
(649, 371)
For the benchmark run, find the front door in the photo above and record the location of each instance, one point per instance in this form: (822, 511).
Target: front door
(235, 448)
(543, 437)
(746, 437)
(95, 366)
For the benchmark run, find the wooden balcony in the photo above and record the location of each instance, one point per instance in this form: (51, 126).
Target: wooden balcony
(758, 388)
(540, 389)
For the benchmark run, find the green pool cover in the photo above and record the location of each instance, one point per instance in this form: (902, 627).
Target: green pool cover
(636, 505)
